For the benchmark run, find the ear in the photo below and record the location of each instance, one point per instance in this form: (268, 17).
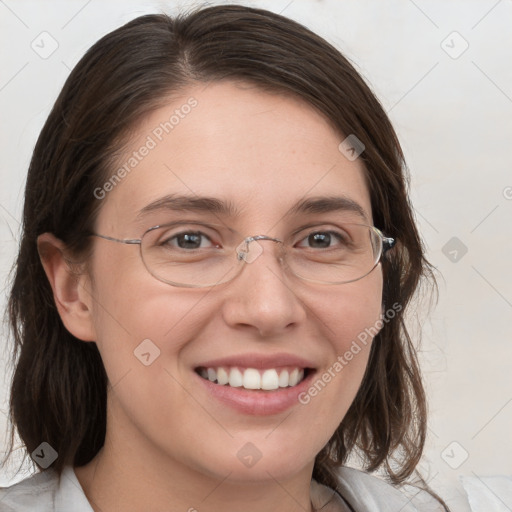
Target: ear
(72, 299)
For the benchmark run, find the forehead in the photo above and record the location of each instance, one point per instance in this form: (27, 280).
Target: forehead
(260, 152)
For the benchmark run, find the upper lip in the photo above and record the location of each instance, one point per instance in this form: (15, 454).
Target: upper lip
(259, 361)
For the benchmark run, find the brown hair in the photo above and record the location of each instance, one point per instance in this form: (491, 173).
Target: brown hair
(59, 385)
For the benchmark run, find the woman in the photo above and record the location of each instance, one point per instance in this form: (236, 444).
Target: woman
(208, 303)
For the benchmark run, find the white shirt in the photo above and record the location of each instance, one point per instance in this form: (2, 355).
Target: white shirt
(45, 492)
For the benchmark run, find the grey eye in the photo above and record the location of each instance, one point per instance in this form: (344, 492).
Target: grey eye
(188, 240)
(322, 239)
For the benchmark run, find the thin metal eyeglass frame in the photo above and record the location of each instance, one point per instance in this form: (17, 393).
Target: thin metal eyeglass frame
(386, 242)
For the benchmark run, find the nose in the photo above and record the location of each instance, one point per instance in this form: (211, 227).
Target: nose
(262, 297)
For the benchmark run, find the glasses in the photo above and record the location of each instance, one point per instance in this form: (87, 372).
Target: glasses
(203, 255)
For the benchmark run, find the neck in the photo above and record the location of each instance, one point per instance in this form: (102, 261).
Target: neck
(131, 487)
(130, 475)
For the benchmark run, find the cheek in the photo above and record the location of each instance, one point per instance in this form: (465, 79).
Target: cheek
(135, 314)
(143, 328)
(352, 310)
(350, 318)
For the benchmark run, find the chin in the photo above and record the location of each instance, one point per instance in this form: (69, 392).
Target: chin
(256, 459)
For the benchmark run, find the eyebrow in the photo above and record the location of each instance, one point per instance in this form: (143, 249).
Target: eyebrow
(326, 205)
(191, 204)
(203, 204)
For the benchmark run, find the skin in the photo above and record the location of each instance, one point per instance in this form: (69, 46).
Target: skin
(168, 442)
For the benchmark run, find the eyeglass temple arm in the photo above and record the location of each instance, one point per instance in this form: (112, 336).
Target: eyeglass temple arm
(129, 241)
(387, 243)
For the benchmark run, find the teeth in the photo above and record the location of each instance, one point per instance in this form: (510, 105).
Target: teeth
(292, 380)
(284, 379)
(250, 378)
(235, 378)
(269, 380)
(222, 376)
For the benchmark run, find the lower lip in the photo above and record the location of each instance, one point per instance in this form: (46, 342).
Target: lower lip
(257, 402)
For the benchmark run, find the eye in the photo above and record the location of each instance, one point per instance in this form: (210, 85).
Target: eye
(325, 239)
(187, 240)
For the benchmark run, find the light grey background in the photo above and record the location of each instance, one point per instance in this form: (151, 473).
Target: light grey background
(452, 109)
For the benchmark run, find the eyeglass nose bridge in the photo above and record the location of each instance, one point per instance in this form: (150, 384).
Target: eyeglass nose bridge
(244, 253)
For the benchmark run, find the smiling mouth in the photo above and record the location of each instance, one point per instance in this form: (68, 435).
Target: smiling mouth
(270, 379)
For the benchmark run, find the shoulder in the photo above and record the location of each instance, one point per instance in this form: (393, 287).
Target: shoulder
(45, 492)
(371, 493)
(35, 493)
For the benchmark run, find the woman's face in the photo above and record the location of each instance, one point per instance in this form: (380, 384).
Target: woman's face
(261, 153)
